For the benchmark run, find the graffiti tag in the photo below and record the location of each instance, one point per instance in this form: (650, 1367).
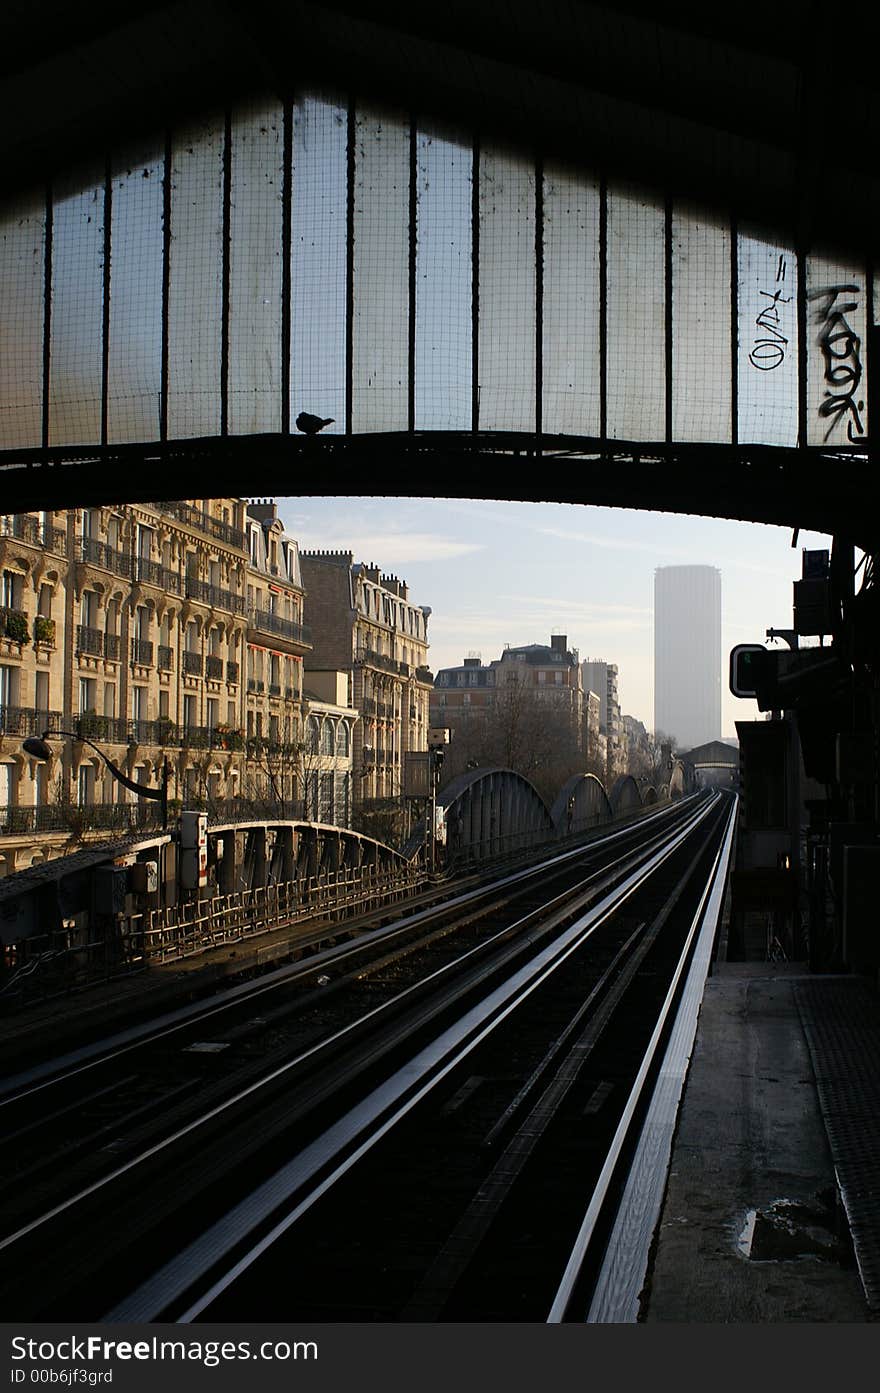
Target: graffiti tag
(840, 347)
(769, 351)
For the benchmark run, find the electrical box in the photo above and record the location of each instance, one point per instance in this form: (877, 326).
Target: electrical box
(143, 877)
(193, 850)
(110, 888)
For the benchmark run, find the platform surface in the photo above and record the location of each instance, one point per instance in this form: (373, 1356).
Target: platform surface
(776, 1139)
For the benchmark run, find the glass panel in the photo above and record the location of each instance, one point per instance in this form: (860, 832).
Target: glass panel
(636, 359)
(767, 371)
(380, 398)
(507, 292)
(195, 289)
(318, 260)
(571, 396)
(77, 324)
(837, 396)
(135, 343)
(701, 377)
(22, 294)
(255, 271)
(444, 279)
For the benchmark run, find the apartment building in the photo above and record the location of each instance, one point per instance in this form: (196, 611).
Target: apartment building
(550, 672)
(147, 630)
(365, 625)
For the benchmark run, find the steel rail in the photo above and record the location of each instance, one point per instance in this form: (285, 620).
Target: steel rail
(61, 1069)
(616, 1294)
(320, 1047)
(281, 1200)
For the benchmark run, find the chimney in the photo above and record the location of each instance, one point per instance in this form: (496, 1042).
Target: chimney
(559, 643)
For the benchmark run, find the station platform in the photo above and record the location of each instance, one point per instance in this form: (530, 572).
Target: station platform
(772, 1207)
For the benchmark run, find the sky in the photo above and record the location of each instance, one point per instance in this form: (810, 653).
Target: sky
(497, 573)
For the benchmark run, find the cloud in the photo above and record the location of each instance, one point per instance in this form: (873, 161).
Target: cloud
(385, 548)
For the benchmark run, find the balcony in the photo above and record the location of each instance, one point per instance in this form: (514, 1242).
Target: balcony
(142, 652)
(214, 668)
(232, 672)
(151, 573)
(53, 817)
(274, 689)
(265, 622)
(425, 676)
(14, 625)
(192, 664)
(111, 730)
(202, 522)
(23, 528)
(112, 647)
(107, 558)
(27, 720)
(255, 684)
(371, 658)
(164, 658)
(215, 597)
(90, 640)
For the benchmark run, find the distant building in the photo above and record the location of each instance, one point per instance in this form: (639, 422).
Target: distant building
(687, 653)
(366, 626)
(601, 677)
(550, 671)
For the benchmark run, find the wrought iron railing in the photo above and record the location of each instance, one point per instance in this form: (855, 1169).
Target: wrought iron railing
(268, 623)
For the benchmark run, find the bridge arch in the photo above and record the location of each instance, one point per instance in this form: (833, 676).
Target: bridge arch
(625, 796)
(580, 804)
(492, 812)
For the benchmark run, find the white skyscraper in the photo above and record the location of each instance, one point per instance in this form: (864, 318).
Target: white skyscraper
(687, 653)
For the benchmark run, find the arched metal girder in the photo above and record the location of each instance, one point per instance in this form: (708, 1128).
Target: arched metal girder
(581, 803)
(262, 853)
(625, 795)
(491, 812)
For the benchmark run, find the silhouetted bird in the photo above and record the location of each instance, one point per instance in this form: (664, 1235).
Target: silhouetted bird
(311, 424)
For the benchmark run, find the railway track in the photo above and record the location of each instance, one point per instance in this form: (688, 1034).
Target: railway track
(449, 1028)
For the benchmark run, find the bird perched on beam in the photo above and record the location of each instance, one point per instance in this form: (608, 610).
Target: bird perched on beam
(310, 425)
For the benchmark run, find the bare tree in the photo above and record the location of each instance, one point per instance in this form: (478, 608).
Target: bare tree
(529, 731)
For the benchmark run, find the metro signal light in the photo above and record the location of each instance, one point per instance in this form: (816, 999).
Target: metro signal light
(747, 668)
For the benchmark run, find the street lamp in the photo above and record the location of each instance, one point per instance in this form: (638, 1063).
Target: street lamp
(37, 746)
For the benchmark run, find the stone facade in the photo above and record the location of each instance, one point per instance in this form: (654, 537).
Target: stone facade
(366, 626)
(164, 631)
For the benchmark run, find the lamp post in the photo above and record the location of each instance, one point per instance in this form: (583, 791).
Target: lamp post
(37, 746)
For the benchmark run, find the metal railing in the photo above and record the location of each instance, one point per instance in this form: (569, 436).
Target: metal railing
(89, 640)
(112, 647)
(203, 522)
(28, 720)
(142, 652)
(107, 558)
(153, 573)
(214, 667)
(268, 623)
(231, 671)
(23, 528)
(164, 658)
(213, 595)
(72, 817)
(191, 927)
(192, 663)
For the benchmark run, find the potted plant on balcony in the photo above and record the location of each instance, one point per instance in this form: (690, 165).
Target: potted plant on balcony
(44, 629)
(16, 625)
